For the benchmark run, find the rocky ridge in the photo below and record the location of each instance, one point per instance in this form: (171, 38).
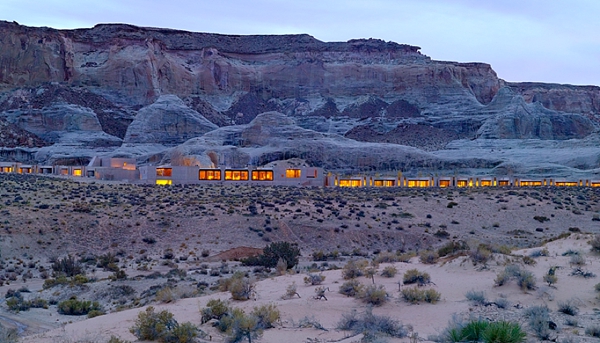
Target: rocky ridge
(138, 91)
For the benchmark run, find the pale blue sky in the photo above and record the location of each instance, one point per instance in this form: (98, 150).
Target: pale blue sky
(524, 40)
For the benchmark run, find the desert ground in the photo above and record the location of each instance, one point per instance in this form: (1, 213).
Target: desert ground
(173, 247)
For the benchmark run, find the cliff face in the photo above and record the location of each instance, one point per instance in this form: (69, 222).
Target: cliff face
(369, 90)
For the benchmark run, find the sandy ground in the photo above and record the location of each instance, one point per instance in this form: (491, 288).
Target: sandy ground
(452, 278)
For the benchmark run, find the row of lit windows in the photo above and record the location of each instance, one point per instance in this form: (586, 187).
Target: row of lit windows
(233, 175)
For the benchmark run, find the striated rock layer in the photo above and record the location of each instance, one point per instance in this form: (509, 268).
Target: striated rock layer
(143, 90)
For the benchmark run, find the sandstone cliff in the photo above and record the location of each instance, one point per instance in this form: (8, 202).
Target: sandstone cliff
(116, 78)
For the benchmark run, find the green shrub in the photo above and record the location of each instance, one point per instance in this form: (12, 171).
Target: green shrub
(412, 276)
(374, 295)
(267, 315)
(415, 295)
(351, 288)
(239, 325)
(289, 252)
(484, 331)
(241, 289)
(481, 255)
(386, 257)
(215, 309)
(95, 313)
(453, 247)
(74, 307)
(67, 266)
(526, 280)
(389, 271)
(162, 327)
(538, 318)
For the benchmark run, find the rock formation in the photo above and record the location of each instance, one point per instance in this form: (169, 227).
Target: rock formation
(155, 88)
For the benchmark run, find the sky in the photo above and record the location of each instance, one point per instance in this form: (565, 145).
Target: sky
(555, 41)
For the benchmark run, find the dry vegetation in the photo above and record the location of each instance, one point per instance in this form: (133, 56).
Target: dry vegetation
(99, 248)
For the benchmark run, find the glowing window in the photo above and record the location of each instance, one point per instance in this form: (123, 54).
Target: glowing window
(64, 171)
(236, 175)
(486, 183)
(503, 183)
(209, 175)
(76, 172)
(164, 182)
(350, 183)
(461, 183)
(595, 184)
(418, 183)
(164, 172)
(566, 184)
(292, 173)
(383, 183)
(531, 183)
(262, 175)
(444, 183)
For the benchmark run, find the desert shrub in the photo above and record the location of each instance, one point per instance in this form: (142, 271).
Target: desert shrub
(38, 303)
(595, 243)
(354, 269)
(415, 295)
(95, 313)
(351, 288)
(291, 291)
(502, 303)
(215, 309)
(371, 326)
(310, 322)
(538, 319)
(166, 295)
(8, 335)
(405, 258)
(484, 331)
(539, 253)
(480, 255)
(389, 271)
(428, 257)
(162, 327)
(526, 280)
(225, 284)
(289, 252)
(577, 260)
(314, 279)
(374, 295)
(570, 252)
(530, 261)
(17, 304)
(568, 307)
(597, 287)
(267, 315)
(66, 266)
(412, 276)
(477, 297)
(385, 257)
(593, 331)
(75, 307)
(239, 325)
(453, 247)
(241, 289)
(551, 277)
(281, 267)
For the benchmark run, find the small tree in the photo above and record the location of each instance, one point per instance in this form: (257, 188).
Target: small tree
(276, 250)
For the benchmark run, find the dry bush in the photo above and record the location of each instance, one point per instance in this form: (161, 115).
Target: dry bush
(389, 271)
(412, 276)
(291, 291)
(374, 295)
(314, 279)
(354, 269)
(428, 257)
(351, 288)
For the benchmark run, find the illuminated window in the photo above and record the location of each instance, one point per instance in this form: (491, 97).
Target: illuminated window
(262, 175)
(461, 183)
(76, 172)
(531, 183)
(444, 183)
(350, 183)
(503, 183)
(64, 171)
(209, 174)
(292, 173)
(236, 175)
(595, 184)
(383, 183)
(164, 182)
(486, 183)
(418, 183)
(566, 184)
(164, 172)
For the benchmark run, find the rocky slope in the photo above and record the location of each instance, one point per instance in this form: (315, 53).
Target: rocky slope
(113, 82)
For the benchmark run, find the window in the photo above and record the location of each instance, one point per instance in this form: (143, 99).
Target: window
(350, 183)
(164, 182)
(383, 183)
(64, 171)
(312, 174)
(262, 175)
(444, 183)
(76, 172)
(595, 184)
(566, 184)
(236, 175)
(461, 183)
(292, 173)
(164, 172)
(503, 183)
(209, 174)
(418, 183)
(531, 183)
(486, 183)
